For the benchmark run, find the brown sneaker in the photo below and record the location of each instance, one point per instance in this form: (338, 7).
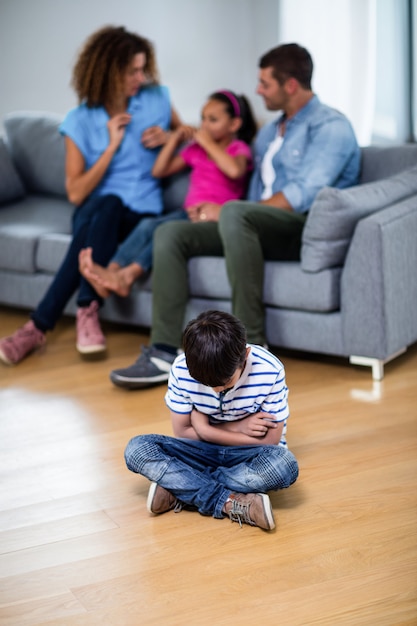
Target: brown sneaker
(161, 500)
(251, 508)
(24, 341)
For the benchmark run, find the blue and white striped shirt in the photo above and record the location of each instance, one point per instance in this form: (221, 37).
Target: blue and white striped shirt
(261, 387)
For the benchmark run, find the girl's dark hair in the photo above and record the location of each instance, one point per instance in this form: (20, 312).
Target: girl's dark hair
(215, 347)
(238, 106)
(289, 61)
(99, 70)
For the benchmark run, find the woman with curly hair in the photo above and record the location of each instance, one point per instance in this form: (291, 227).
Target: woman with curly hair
(110, 139)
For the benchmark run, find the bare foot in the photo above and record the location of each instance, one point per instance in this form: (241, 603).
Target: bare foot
(88, 269)
(121, 280)
(111, 278)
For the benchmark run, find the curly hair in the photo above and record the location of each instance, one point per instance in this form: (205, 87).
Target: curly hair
(99, 71)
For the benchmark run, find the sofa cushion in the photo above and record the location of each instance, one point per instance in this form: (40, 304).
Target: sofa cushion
(23, 223)
(335, 213)
(285, 284)
(11, 187)
(38, 150)
(52, 247)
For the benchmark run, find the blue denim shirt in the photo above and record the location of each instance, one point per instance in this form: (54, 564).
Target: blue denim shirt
(319, 150)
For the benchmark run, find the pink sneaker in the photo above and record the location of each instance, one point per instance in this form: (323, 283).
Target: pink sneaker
(26, 339)
(90, 338)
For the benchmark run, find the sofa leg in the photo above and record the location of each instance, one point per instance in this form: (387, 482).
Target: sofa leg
(376, 364)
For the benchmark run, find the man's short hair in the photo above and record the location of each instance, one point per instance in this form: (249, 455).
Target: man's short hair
(289, 61)
(215, 347)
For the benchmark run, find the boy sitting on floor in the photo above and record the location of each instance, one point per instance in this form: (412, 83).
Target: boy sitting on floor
(229, 410)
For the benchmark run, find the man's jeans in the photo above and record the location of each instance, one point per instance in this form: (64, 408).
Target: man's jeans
(203, 475)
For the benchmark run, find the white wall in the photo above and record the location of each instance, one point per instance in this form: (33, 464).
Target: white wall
(341, 37)
(204, 45)
(201, 45)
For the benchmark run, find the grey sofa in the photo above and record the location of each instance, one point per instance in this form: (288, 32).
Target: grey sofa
(353, 294)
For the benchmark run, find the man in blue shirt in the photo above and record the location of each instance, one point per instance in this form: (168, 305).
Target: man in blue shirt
(308, 147)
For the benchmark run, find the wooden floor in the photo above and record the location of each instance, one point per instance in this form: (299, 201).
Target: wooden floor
(77, 546)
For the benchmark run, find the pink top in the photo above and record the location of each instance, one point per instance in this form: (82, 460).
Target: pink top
(207, 182)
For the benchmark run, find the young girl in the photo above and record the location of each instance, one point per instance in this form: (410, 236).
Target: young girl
(220, 159)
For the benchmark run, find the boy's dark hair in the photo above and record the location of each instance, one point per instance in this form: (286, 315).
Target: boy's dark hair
(248, 129)
(289, 61)
(215, 347)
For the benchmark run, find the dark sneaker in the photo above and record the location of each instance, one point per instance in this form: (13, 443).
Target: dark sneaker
(251, 508)
(151, 368)
(25, 340)
(161, 500)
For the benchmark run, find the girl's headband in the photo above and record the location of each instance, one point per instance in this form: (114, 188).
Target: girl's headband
(234, 101)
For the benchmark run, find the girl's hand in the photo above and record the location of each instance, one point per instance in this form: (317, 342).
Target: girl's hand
(116, 127)
(193, 213)
(154, 136)
(203, 138)
(205, 212)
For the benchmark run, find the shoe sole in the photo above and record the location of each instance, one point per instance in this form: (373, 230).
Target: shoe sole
(268, 510)
(90, 349)
(137, 383)
(5, 360)
(150, 498)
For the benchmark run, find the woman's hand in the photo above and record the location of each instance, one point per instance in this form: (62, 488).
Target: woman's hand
(186, 132)
(116, 127)
(205, 212)
(154, 137)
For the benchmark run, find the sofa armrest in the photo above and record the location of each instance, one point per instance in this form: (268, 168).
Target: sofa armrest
(379, 284)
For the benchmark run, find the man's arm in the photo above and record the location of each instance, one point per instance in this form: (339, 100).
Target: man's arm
(279, 201)
(331, 146)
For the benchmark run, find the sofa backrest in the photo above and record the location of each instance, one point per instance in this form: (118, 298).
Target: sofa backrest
(383, 161)
(11, 186)
(37, 150)
(38, 153)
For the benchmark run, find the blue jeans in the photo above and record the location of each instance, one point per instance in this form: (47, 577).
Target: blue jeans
(96, 223)
(203, 475)
(138, 246)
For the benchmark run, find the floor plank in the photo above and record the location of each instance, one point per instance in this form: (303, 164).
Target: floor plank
(77, 546)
